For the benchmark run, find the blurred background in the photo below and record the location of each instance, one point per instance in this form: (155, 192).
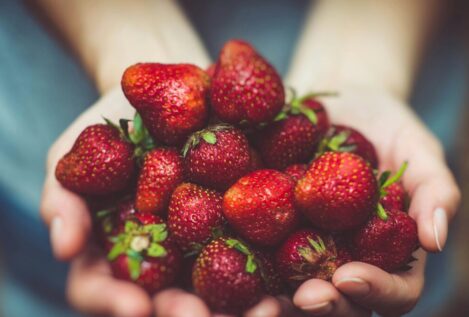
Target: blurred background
(36, 68)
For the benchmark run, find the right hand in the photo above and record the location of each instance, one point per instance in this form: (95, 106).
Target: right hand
(91, 288)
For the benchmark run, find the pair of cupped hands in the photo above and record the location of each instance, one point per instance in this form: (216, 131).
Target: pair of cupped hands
(356, 288)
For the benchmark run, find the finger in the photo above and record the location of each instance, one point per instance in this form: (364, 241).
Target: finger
(434, 201)
(435, 195)
(288, 309)
(321, 298)
(388, 294)
(178, 303)
(67, 216)
(267, 307)
(92, 290)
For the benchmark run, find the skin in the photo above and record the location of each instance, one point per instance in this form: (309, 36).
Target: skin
(379, 93)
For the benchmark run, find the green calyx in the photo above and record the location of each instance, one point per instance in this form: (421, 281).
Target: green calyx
(138, 135)
(314, 251)
(251, 265)
(385, 180)
(138, 241)
(335, 142)
(318, 257)
(296, 106)
(208, 135)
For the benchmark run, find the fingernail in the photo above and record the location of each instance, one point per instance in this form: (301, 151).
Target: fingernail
(55, 231)
(353, 286)
(440, 227)
(318, 309)
(267, 308)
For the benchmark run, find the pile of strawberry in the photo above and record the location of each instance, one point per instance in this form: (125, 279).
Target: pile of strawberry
(221, 187)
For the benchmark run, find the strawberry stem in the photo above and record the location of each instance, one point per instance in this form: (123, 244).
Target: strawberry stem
(386, 181)
(208, 135)
(251, 265)
(381, 212)
(396, 177)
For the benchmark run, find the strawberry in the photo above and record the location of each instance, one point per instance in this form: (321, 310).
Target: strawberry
(294, 137)
(307, 254)
(110, 221)
(193, 215)
(259, 206)
(217, 156)
(99, 163)
(338, 192)
(387, 244)
(227, 277)
(395, 198)
(171, 98)
(161, 172)
(245, 87)
(392, 192)
(296, 171)
(143, 253)
(346, 139)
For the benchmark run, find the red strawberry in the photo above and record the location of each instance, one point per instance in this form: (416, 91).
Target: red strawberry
(111, 220)
(193, 215)
(392, 192)
(226, 276)
(346, 139)
(172, 98)
(296, 171)
(294, 137)
(217, 156)
(245, 87)
(307, 254)
(161, 172)
(144, 254)
(387, 244)
(395, 197)
(259, 206)
(100, 162)
(338, 192)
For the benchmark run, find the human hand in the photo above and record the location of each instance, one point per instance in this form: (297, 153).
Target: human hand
(359, 288)
(391, 126)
